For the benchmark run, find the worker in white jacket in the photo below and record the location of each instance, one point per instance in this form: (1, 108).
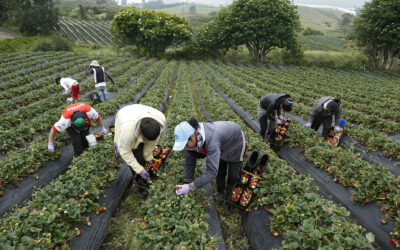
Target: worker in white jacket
(69, 85)
(138, 130)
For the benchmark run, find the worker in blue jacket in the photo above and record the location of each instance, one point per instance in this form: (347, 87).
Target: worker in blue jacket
(223, 144)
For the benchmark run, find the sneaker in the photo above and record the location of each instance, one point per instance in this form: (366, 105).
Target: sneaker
(219, 197)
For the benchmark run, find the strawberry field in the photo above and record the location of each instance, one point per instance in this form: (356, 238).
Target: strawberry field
(313, 194)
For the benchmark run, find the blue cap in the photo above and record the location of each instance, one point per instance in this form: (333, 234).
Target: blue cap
(342, 122)
(182, 133)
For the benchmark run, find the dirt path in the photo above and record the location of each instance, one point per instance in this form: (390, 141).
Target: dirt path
(5, 33)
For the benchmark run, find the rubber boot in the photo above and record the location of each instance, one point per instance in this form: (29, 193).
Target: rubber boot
(220, 197)
(227, 209)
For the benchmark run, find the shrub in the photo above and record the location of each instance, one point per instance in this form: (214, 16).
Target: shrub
(309, 32)
(42, 45)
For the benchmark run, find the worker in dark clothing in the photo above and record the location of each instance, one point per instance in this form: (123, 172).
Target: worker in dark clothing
(76, 119)
(223, 143)
(322, 112)
(267, 107)
(99, 79)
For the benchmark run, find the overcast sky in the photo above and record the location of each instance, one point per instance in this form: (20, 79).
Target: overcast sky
(347, 4)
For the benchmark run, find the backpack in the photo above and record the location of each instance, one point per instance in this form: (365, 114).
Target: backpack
(94, 97)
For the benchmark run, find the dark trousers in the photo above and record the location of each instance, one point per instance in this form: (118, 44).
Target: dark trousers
(267, 126)
(78, 139)
(232, 170)
(326, 124)
(138, 153)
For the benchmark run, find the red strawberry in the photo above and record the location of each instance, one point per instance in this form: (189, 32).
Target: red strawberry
(383, 222)
(351, 200)
(101, 210)
(1, 193)
(393, 241)
(1, 183)
(79, 233)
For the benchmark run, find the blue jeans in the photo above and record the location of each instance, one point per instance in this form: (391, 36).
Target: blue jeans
(102, 92)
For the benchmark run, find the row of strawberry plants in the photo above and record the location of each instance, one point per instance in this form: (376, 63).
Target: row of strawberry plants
(298, 213)
(168, 220)
(18, 95)
(29, 63)
(156, 93)
(42, 100)
(308, 96)
(95, 33)
(347, 83)
(75, 31)
(368, 182)
(19, 78)
(342, 88)
(49, 219)
(9, 59)
(26, 161)
(373, 139)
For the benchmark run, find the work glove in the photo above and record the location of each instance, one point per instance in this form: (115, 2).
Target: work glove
(307, 125)
(337, 129)
(50, 146)
(104, 131)
(116, 149)
(145, 175)
(283, 119)
(182, 189)
(279, 121)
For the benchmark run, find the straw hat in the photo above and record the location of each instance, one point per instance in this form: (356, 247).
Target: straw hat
(95, 63)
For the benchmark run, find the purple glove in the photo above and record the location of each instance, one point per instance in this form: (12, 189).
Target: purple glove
(104, 131)
(279, 121)
(182, 189)
(116, 149)
(283, 119)
(145, 175)
(50, 146)
(307, 125)
(337, 129)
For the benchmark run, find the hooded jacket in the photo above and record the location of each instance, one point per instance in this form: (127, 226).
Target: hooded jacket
(269, 104)
(224, 140)
(127, 133)
(318, 110)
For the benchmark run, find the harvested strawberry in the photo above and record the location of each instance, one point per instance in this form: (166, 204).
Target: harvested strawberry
(143, 224)
(178, 188)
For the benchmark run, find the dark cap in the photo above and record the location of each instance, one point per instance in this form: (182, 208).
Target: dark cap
(78, 119)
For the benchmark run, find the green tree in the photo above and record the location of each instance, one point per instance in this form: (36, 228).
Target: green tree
(377, 31)
(149, 30)
(193, 9)
(82, 12)
(37, 17)
(260, 25)
(346, 25)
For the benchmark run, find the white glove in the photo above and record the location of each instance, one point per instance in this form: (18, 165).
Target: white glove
(307, 125)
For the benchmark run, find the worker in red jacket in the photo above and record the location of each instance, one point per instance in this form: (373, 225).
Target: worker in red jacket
(76, 119)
